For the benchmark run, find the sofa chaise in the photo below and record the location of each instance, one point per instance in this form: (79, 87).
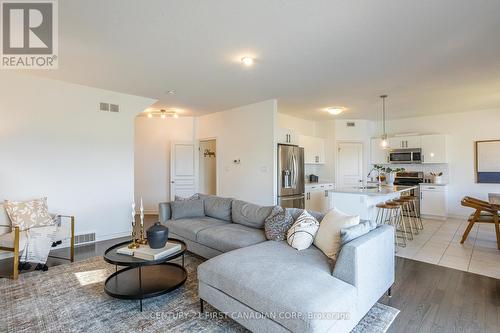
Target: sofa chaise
(268, 286)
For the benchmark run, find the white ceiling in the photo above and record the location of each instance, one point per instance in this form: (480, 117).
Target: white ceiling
(430, 56)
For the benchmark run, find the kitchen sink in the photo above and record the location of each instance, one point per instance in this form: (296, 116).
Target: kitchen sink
(367, 187)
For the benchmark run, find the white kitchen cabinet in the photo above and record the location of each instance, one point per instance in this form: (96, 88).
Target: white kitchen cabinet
(314, 149)
(378, 155)
(434, 148)
(287, 136)
(403, 142)
(317, 197)
(433, 201)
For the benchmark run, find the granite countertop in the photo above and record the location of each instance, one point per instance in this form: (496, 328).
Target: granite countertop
(384, 190)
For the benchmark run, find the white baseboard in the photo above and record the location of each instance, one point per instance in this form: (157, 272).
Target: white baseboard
(66, 243)
(458, 217)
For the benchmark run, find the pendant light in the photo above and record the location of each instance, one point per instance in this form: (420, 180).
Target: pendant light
(384, 143)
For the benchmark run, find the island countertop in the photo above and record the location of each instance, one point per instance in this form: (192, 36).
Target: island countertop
(376, 191)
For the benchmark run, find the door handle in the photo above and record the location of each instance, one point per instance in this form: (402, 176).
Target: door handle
(172, 182)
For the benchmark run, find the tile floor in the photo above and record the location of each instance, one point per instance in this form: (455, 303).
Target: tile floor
(439, 244)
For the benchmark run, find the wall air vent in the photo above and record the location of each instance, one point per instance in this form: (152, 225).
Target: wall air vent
(85, 238)
(104, 106)
(114, 108)
(351, 124)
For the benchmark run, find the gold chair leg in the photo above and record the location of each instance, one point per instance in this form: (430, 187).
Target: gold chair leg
(72, 245)
(15, 273)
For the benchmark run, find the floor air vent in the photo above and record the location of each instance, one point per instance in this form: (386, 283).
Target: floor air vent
(85, 238)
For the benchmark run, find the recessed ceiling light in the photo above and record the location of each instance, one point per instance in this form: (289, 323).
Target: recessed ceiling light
(335, 110)
(247, 61)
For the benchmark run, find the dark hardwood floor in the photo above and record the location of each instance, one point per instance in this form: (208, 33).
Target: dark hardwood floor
(431, 298)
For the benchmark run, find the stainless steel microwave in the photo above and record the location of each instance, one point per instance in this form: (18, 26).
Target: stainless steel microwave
(405, 156)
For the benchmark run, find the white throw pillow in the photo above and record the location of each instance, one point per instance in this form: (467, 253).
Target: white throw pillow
(28, 214)
(301, 234)
(328, 236)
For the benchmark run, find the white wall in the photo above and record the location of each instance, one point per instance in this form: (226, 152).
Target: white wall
(322, 129)
(464, 129)
(153, 138)
(361, 132)
(245, 133)
(302, 126)
(208, 167)
(54, 142)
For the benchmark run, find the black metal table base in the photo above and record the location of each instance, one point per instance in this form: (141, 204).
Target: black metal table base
(145, 281)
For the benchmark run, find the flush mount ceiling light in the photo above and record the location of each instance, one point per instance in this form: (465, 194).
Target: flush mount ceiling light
(335, 110)
(171, 92)
(247, 61)
(163, 114)
(384, 143)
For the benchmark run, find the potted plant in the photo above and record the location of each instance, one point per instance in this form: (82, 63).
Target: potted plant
(390, 173)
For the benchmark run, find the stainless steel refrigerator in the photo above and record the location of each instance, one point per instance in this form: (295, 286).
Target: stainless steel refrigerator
(291, 176)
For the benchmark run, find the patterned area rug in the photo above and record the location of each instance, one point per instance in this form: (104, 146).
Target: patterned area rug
(70, 298)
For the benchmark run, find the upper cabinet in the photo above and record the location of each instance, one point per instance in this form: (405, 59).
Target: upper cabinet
(287, 136)
(314, 149)
(378, 155)
(434, 148)
(403, 142)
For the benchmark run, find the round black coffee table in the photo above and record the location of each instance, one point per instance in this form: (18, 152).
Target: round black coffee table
(142, 279)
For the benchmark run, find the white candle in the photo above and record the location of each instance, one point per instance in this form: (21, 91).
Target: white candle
(133, 212)
(142, 214)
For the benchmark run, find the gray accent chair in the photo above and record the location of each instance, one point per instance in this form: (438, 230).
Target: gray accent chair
(267, 286)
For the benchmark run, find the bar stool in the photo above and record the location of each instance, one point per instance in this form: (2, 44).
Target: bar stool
(391, 214)
(414, 211)
(406, 210)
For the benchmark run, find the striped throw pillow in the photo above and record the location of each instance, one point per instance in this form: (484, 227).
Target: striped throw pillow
(301, 234)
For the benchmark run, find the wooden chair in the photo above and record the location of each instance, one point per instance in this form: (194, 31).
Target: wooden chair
(485, 213)
(11, 239)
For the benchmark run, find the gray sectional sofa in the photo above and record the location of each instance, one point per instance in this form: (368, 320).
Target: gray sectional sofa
(268, 286)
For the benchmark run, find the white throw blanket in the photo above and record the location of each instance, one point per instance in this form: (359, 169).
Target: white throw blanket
(38, 244)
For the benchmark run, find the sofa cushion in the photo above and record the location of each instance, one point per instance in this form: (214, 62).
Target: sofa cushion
(277, 224)
(272, 277)
(189, 228)
(328, 236)
(195, 196)
(301, 234)
(296, 212)
(351, 233)
(164, 211)
(230, 237)
(217, 207)
(183, 209)
(249, 214)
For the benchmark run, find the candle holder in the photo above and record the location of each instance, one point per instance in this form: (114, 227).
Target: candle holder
(134, 244)
(142, 240)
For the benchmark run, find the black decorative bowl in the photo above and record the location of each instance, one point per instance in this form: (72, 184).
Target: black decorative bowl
(157, 236)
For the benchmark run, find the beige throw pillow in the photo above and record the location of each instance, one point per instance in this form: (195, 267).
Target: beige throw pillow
(328, 236)
(28, 214)
(301, 234)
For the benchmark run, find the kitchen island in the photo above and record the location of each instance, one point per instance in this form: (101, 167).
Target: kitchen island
(362, 200)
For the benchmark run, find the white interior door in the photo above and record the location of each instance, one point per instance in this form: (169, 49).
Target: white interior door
(182, 169)
(350, 164)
